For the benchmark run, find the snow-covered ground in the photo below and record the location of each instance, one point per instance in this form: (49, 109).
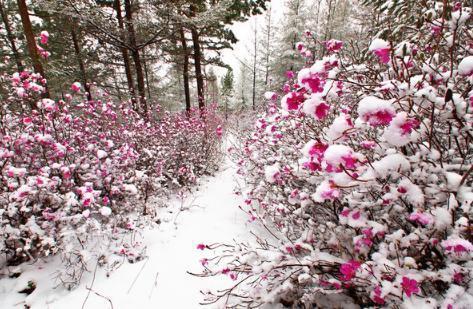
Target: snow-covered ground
(210, 214)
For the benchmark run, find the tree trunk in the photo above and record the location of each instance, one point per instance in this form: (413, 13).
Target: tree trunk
(328, 28)
(145, 65)
(268, 42)
(30, 42)
(135, 54)
(80, 61)
(198, 67)
(126, 57)
(185, 69)
(254, 67)
(10, 36)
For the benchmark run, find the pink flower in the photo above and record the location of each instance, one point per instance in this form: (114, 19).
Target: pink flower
(289, 74)
(376, 296)
(436, 30)
(105, 200)
(321, 111)
(356, 215)
(44, 37)
(76, 87)
(27, 120)
(368, 144)
(86, 202)
(381, 49)
(317, 150)
(219, 131)
(333, 46)
(225, 271)
(312, 81)
(350, 161)
(458, 277)
(402, 190)
(421, 218)
(345, 212)
(204, 261)
(292, 100)
(286, 88)
(457, 245)
(348, 270)
(313, 166)
(409, 125)
(201, 246)
(299, 47)
(379, 118)
(383, 54)
(409, 286)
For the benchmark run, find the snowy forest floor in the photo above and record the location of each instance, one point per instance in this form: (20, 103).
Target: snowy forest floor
(208, 215)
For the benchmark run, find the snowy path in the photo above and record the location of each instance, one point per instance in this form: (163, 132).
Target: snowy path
(161, 280)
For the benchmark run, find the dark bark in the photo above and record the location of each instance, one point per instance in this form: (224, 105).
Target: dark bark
(126, 57)
(185, 69)
(135, 54)
(254, 68)
(30, 41)
(145, 65)
(268, 42)
(10, 37)
(80, 62)
(198, 67)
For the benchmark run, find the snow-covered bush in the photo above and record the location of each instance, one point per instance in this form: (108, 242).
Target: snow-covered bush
(366, 174)
(77, 174)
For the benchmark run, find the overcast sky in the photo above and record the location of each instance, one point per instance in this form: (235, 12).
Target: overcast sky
(245, 34)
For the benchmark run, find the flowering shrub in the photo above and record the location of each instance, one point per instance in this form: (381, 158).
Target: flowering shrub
(74, 175)
(366, 174)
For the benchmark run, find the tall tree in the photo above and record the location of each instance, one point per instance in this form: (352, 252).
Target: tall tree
(255, 57)
(125, 55)
(30, 41)
(135, 54)
(80, 61)
(198, 67)
(10, 36)
(185, 68)
(227, 90)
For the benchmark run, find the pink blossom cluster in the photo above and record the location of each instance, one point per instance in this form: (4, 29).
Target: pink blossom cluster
(367, 167)
(74, 168)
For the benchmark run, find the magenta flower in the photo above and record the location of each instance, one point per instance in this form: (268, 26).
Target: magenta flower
(348, 270)
(333, 46)
(383, 55)
(292, 100)
(44, 36)
(313, 81)
(204, 261)
(219, 131)
(410, 286)
(376, 296)
(76, 87)
(321, 111)
(201, 246)
(381, 49)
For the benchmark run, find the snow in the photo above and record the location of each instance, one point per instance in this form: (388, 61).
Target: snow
(465, 67)
(378, 44)
(335, 154)
(105, 211)
(339, 127)
(376, 111)
(271, 172)
(209, 215)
